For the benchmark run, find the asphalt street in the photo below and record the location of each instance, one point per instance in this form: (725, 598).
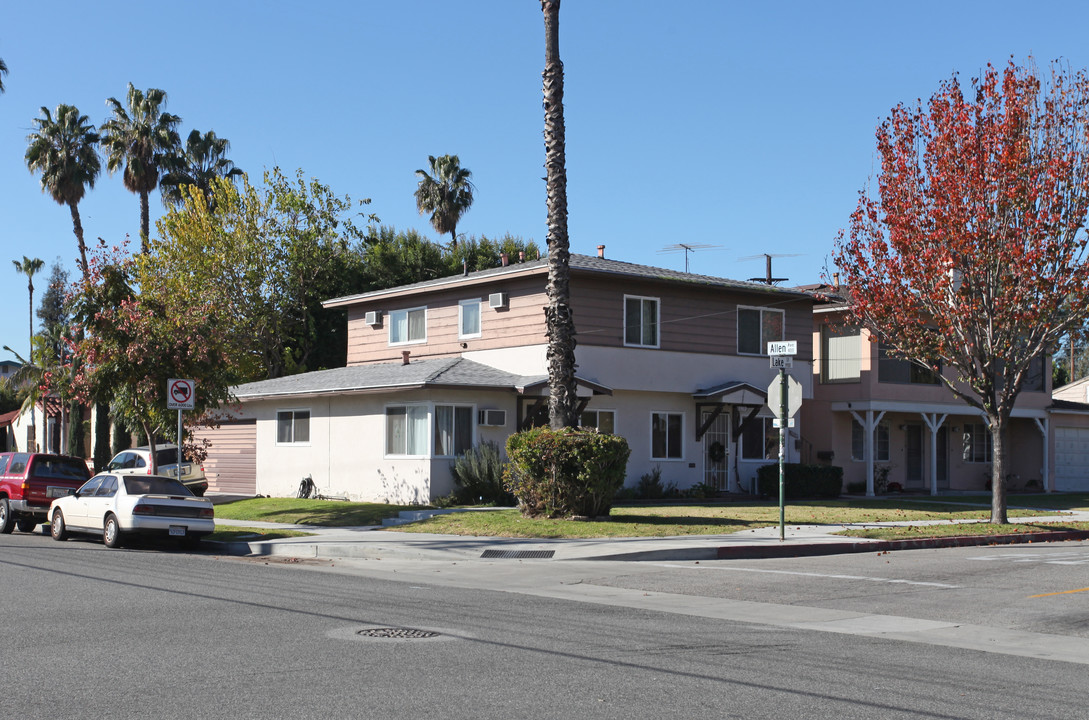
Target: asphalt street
(955, 633)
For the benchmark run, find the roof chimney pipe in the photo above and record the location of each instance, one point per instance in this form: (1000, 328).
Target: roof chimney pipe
(404, 356)
(601, 251)
(504, 259)
(521, 256)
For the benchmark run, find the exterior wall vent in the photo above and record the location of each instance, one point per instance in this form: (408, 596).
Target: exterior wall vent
(493, 418)
(498, 300)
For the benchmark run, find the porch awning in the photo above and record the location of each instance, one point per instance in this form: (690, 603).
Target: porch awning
(734, 392)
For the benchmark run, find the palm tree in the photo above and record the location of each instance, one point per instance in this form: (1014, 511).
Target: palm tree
(64, 150)
(140, 136)
(562, 398)
(203, 160)
(446, 193)
(30, 267)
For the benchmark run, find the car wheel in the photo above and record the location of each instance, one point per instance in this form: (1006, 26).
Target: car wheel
(56, 526)
(26, 525)
(111, 533)
(7, 522)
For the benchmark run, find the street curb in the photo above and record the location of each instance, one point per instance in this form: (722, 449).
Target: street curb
(754, 552)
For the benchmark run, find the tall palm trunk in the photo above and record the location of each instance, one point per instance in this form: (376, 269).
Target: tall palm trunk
(145, 221)
(31, 433)
(563, 398)
(77, 228)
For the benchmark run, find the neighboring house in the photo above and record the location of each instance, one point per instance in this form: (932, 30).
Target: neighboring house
(876, 415)
(7, 433)
(1070, 442)
(9, 368)
(674, 362)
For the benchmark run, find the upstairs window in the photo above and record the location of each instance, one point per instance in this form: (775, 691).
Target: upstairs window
(408, 326)
(892, 369)
(469, 318)
(756, 327)
(640, 321)
(841, 354)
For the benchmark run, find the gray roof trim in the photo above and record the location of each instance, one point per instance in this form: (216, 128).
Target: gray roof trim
(729, 387)
(453, 373)
(535, 381)
(578, 263)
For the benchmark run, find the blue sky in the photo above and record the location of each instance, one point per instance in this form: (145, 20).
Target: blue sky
(747, 126)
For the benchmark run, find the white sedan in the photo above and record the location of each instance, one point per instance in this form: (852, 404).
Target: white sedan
(121, 505)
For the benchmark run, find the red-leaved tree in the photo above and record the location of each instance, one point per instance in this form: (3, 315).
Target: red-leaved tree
(972, 251)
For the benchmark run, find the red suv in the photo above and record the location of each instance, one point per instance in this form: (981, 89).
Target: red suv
(30, 481)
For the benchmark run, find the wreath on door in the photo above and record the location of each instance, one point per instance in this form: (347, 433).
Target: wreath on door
(716, 452)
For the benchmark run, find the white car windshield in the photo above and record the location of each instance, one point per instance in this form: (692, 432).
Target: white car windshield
(154, 486)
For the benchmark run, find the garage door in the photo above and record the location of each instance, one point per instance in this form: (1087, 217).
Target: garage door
(231, 466)
(1072, 459)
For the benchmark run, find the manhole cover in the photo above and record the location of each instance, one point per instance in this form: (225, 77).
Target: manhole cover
(396, 633)
(519, 554)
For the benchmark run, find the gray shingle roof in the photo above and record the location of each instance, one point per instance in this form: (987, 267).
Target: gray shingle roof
(578, 263)
(431, 372)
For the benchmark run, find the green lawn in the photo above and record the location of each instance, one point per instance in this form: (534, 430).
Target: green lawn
(297, 511)
(663, 520)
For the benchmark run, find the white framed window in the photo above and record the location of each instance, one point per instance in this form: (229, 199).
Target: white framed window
(293, 427)
(406, 430)
(978, 445)
(666, 436)
(756, 327)
(641, 315)
(880, 442)
(469, 318)
(759, 440)
(603, 420)
(408, 326)
(453, 429)
(841, 354)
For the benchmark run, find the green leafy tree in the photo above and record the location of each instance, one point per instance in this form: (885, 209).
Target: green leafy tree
(64, 149)
(203, 159)
(140, 136)
(53, 313)
(446, 192)
(134, 343)
(269, 255)
(562, 398)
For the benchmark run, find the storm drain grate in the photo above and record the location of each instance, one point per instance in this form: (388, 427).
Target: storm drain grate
(519, 554)
(396, 633)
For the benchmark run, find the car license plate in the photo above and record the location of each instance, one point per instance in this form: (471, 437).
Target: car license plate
(177, 531)
(55, 492)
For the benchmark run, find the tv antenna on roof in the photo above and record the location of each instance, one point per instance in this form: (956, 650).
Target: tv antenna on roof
(768, 279)
(687, 248)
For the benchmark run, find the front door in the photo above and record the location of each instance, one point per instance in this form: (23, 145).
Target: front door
(913, 455)
(716, 451)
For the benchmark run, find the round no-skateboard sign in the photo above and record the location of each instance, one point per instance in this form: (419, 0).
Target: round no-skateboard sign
(180, 395)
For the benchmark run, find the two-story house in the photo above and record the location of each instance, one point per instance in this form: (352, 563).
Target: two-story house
(675, 362)
(884, 418)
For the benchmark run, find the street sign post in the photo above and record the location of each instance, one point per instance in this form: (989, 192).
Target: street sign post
(180, 395)
(784, 399)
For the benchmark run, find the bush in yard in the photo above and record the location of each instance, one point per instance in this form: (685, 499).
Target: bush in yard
(801, 481)
(478, 476)
(566, 472)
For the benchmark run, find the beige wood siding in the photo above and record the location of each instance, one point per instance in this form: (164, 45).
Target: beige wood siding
(231, 465)
(693, 319)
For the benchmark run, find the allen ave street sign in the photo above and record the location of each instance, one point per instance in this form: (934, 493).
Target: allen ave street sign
(794, 396)
(783, 347)
(180, 394)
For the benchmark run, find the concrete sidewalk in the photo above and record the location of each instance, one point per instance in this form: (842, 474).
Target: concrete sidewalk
(374, 543)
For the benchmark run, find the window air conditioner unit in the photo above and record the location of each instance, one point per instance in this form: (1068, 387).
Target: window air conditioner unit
(497, 300)
(496, 418)
(374, 317)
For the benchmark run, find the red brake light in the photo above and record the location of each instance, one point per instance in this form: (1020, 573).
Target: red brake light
(207, 513)
(143, 509)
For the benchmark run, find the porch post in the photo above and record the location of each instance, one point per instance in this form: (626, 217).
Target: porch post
(933, 422)
(868, 427)
(1044, 428)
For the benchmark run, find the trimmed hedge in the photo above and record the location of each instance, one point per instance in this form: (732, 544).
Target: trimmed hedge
(566, 472)
(801, 481)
